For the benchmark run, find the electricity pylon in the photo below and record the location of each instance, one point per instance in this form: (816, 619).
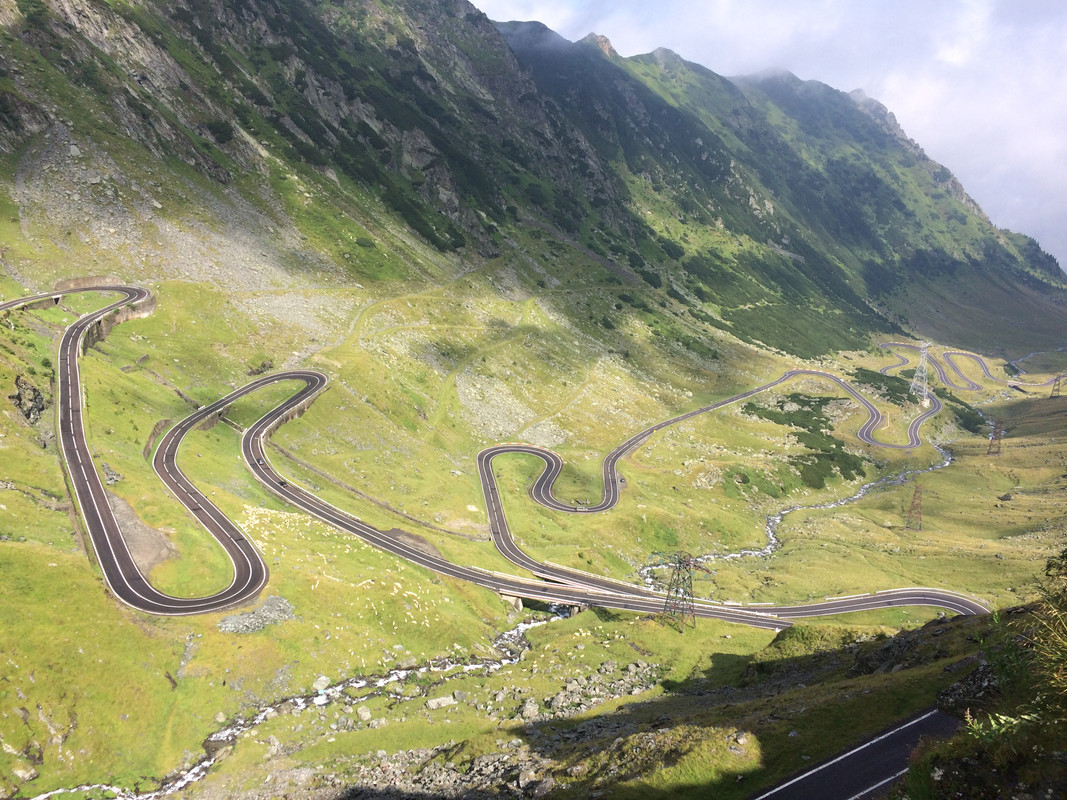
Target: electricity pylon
(994, 439)
(1056, 386)
(919, 384)
(679, 609)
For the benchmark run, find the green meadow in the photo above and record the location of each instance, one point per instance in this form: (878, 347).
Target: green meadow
(393, 442)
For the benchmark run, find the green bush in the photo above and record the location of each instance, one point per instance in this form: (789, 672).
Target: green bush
(220, 130)
(653, 279)
(893, 388)
(672, 248)
(34, 12)
(826, 454)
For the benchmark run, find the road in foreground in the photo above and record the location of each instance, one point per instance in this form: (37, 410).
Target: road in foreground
(868, 770)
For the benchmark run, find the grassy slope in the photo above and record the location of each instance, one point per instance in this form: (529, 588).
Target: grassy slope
(883, 213)
(399, 347)
(397, 360)
(318, 571)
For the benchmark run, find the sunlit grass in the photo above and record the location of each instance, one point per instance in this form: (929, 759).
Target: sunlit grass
(431, 370)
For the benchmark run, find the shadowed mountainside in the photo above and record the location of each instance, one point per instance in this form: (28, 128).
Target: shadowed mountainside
(782, 211)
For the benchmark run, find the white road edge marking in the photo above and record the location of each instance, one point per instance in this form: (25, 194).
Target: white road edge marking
(878, 785)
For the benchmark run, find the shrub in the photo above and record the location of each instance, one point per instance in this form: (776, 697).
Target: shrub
(672, 248)
(653, 279)
(220, 130)
(35, 12)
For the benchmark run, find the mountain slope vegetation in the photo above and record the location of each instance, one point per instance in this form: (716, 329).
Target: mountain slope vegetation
(837, 211)
(482, 233)
(786, 211)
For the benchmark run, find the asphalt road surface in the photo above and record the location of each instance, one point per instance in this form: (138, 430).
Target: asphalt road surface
(551, 583)
(950, 357)
(865, 771)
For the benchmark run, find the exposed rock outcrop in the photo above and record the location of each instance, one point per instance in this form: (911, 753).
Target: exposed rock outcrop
(274, 610)
(28, 400)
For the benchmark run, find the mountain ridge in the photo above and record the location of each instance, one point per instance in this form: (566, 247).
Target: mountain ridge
(386, 96)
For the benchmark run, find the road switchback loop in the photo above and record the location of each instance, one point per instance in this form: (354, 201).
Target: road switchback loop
(558, 585)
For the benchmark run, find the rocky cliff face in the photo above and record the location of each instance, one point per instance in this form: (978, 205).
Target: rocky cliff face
(426, 100)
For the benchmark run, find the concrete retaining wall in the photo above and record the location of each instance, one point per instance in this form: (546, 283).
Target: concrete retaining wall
(296, 411)
(71, 284)
(102, 328)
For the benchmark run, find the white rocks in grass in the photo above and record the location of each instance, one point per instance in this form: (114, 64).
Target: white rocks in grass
(545, 433)
(435, 703)
(274, 610)
(490, 406)
(24, 773)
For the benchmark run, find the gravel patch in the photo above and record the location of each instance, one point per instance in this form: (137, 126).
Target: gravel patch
(148, 546)
(274, 610)
(545, 433)
(489, 407)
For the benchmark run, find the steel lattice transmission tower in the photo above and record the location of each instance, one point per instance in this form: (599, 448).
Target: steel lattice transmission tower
(914, 520)
(679, 609)
(1056, 386)
(994, 439)
(919, 385)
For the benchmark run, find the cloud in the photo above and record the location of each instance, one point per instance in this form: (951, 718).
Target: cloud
(968, 36)
(978, 83)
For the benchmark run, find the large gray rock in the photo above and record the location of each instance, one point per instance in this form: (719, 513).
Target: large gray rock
(435, 703)
(530, 709)
(110, 476)
(545, 787)
(972, 692)
(28, 400)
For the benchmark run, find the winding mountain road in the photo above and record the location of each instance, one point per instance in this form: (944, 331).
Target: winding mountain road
(551, 584)
(950, 357)
(541, 491)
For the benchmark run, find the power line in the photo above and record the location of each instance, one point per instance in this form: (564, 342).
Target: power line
(679, 609)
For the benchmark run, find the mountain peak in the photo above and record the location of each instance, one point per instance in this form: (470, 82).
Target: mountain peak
(602, 43)
(769, 75)
(531, 34)
(666, 57)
